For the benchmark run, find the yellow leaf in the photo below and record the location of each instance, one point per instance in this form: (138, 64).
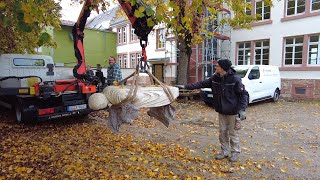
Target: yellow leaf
(298, 163)
(27, 18)
(259, 166)
(2, 4)
(284, 169)
(133, 158)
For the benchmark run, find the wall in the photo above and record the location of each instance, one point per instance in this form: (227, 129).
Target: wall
(154, 56)
(98, 45)
(300, 89)
(275, 30)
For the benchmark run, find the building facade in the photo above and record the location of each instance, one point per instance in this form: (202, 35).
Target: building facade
(286, 35)
(161, 50)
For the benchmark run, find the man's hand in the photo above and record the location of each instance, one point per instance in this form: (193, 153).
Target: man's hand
(180, 86)
(242, 115)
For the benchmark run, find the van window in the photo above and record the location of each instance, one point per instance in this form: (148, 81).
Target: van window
(28, 62)
(241, 72)
(254, 73)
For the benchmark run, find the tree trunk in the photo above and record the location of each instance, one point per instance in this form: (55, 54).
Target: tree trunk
(184, 61)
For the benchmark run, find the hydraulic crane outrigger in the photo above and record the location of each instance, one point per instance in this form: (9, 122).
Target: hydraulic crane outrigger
(140, 25)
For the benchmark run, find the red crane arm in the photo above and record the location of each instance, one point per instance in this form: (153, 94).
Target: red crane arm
(79, 70)
(140, 25)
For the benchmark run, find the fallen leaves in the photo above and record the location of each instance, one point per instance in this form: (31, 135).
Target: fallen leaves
(88, 150)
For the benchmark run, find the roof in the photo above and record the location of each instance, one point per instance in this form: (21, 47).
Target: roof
(102, 21)
(118, 20)
(67, 22)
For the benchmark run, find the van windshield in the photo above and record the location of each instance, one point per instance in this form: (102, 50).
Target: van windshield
(241, 71)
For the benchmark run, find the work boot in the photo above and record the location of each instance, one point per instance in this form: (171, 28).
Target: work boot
(234, 157)
(221, 156)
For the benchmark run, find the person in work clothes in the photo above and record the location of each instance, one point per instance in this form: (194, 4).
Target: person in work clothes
(114, 71)
(230, 101)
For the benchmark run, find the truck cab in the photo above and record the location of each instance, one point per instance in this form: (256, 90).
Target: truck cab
(28, 85)
(23, 65)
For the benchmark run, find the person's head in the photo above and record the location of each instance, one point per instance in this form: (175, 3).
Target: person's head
(223, 66)
(99, 67)
(112, 60)
(88, 67)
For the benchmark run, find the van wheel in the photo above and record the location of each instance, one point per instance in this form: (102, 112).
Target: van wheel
(276, 95)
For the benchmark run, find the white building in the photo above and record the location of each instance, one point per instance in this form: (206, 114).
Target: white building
(288, 36)
(161, 50)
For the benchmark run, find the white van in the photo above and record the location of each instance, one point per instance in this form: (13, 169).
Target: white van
(261, 81)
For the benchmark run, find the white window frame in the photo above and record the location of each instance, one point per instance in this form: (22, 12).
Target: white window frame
(133, 60)
(295, 8)
(294, 45)
(138, 56)
(119, 35)
(311, 5)
(261, 52)
(318, 52)
(133, 36)
(263, 6)
(161, 32)
(120, 60)
(247, 9)
(244, 50)
(125, 59)
(124, 34)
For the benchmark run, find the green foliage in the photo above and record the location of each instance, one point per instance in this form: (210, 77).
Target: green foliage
(23, 24)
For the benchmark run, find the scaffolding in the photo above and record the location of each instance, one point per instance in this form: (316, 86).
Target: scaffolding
(212, 48)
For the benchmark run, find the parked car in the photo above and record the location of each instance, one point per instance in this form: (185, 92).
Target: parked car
(261, 81)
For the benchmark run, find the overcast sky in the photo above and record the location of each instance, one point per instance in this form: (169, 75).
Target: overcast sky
(71, 10)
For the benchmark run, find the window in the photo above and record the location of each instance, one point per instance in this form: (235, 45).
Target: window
(315, 5)
(135, 57)
(161, 38)
(314, 50)
(28, 62)
(124, 34)
(244, 53)
(247, 9)
(262, 10)
(133, 36)
(254, 73)
(138, 57)
(119, 36)
(133, 60)
(293, 50)
(125, 61)
(295, 7)
(261, 52)
(120, 60)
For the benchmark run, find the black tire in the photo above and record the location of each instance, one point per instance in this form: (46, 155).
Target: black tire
(20, 117)
(276, 95)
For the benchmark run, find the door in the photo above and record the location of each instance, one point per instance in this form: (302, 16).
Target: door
(158, 71)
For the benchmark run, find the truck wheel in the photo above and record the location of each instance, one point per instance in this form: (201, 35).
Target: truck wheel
(19, 112)
(21, 115)
(276, 95)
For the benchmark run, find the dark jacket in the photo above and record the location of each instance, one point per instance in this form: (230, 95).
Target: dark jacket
(229, 94)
